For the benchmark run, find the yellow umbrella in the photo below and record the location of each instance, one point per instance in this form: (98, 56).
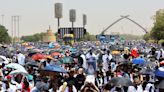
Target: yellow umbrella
(115, 52)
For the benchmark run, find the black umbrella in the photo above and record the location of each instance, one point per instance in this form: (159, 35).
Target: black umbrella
(146, 71)
(33, 63)
(121, 81)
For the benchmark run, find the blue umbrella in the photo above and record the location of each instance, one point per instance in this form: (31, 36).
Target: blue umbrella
(160, 72)
(139, 61)
(55, 68)
(51, 45)
(73, 50)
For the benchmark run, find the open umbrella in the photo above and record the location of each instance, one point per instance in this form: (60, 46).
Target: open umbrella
(38, 57)
(15, 66)
(162, 62)
(147, 71)
(159, 72)
(149, 64)
(67, 60)
(3, 59)
(115, 52)
(55, 68)
(37, 50)
(121, 81)
(49, 57)
(55, 54)
(15, 72)
(32, 63)
(139, 61)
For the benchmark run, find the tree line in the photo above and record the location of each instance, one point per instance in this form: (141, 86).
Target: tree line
(157, 31)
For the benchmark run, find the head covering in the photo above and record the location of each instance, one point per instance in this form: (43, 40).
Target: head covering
(8, 76)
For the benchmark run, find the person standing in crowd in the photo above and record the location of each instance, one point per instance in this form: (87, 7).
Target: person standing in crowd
(84, 65)
(1, 71)
(21, 58)
(67, 87)
(54, 88)
(106, 60)
(160, 53)
(126, 54)
(91, 59)
(25, 86)
(80, 78)
(138, 85)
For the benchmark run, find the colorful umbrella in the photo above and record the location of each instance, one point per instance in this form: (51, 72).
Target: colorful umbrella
(37, 50)
(160, 72)
(38, 57)
(67, 60)
(138, 61)
(30, 47)
(134, 53)
(15, 66)
(162, 62)
(15, 72)
(55, 68)
(56, 54)
(49, 57)
(115, 52)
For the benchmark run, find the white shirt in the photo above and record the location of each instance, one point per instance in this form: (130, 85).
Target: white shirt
(131, 89)
(84, 61)
(21, 59)
(148, 87)
(159, 54)
(105, 61)
(51, 90)
(66, 89)
(11, 89)
(91, 57)
(139, 88)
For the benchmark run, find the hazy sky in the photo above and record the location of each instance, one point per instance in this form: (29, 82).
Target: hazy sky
(37, 15)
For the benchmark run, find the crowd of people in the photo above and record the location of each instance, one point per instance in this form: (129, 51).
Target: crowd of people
(84, 67)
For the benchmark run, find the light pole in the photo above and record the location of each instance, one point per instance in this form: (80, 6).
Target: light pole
(2, 19)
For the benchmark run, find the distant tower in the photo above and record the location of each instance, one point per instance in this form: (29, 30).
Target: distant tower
(84, 20)
(72, 15)
(58, 12)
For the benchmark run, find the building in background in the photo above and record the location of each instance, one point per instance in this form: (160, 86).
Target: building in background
(49, 36)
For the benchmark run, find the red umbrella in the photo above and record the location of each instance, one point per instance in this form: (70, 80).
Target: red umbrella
(134, 53)
(38, 57)
(162, 62)
(55, 54)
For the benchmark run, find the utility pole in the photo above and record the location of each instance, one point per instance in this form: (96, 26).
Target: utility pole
(2, 19)
(15, 27)
(18, 26)
(12, 31)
